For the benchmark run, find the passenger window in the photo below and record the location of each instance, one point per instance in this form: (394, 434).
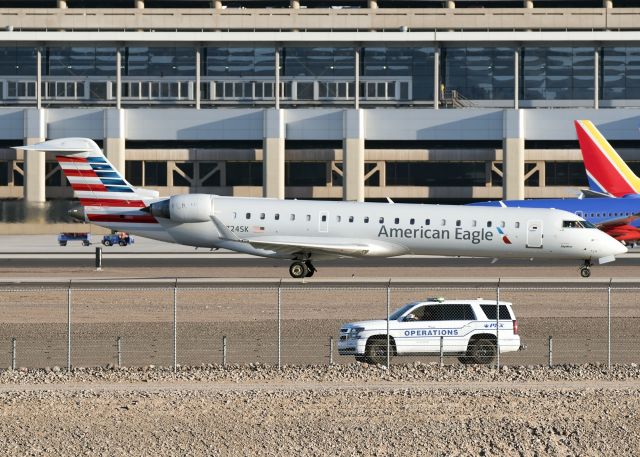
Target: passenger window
(235, 215)
(261, 215)
(444, 222)
(324, 218)
(502, 224)
(427, 222)
(248, 215)
(277, 216)
(397, 220)
(474, 223)
(292, 217)
(366, 220)
(338, 218)
(456, 312)
(308, 217)
(458, 223)
(490, 312)
(517, 224)
(350, 218)
(412, 221)
(382, 220)
(489, 224)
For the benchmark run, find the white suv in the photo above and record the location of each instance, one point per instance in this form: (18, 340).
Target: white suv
(467, 328)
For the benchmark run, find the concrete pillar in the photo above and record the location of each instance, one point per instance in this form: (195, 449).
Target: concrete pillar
(451, 4)
(114, 136)
(35, 131)
(353, 155)
(528, 3)
(139, 4)
(273, 154)
(373, 4)
(295, 4)
(62, 4)
(513, 155)
(607, 3)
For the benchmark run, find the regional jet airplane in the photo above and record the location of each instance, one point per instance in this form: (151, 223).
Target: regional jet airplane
(306, 231)
(609, 177)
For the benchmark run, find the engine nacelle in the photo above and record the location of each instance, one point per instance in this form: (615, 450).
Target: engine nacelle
(184, 208)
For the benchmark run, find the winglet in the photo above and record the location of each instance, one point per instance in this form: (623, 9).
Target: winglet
(606, 171)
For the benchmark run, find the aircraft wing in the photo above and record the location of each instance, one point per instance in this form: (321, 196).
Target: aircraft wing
(324, 247)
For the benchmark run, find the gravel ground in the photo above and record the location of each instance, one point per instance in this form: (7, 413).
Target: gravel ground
(317, 410)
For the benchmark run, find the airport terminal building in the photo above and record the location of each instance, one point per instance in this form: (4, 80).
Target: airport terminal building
(414, 100)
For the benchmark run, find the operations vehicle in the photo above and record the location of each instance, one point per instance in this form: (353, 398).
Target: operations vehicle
(467, 329)
(306, 231)
(65, 237)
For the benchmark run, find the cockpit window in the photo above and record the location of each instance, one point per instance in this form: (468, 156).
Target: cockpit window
(577, 224)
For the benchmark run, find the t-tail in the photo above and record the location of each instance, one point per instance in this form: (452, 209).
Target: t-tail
(606, 171)
(107, 198)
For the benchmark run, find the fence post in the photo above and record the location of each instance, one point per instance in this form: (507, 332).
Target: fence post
(550, 351)
(224, 351)
(388, 336)
(330, 350)
(609, 325)
(13, 353)
(280, 325)
(119, 349)
(69, 327)
(498, 325)
(441, 351)
(175, 327)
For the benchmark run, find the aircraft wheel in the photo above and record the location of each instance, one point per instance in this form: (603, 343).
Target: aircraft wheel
(298, 270)
(585, 272)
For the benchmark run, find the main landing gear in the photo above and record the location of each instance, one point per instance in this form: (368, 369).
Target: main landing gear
(302, 269)
(585, 270)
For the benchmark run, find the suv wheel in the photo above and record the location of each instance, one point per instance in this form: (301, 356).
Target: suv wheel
(376, 351)
(483, 350)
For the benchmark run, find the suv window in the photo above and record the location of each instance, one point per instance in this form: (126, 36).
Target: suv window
(490, 312)
(449, 313)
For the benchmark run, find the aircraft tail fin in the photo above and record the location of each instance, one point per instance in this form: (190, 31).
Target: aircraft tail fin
(103, 192)
(606, 171)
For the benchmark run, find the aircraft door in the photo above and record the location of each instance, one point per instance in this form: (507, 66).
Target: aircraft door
(323, 222)
(534, 234)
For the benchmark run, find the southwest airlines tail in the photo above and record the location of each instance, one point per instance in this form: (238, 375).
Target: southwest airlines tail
(606, 171)
(104, 193)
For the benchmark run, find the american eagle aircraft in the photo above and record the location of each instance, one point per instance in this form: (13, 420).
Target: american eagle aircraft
(306, 231)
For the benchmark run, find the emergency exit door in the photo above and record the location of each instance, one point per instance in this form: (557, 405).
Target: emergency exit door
(323, 222)
(534, 234)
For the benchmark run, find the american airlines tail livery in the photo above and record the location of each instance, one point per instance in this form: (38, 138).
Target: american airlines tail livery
(607, 173)
(306, 231)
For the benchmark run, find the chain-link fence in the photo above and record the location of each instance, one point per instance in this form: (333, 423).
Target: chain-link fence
(318, 323)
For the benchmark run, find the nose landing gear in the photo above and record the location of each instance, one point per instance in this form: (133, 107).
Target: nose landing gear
(585, 269)
(302, 269)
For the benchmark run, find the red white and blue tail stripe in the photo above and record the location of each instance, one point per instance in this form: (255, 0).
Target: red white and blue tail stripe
(108, 199)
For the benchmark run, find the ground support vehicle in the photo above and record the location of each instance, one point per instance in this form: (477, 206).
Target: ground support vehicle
(464, 328)
(120, 238)
(65, 237)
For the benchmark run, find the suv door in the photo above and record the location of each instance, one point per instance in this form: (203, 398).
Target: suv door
(418, 332)
(454, 322)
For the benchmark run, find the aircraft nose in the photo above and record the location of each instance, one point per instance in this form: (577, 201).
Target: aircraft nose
(613, 246)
